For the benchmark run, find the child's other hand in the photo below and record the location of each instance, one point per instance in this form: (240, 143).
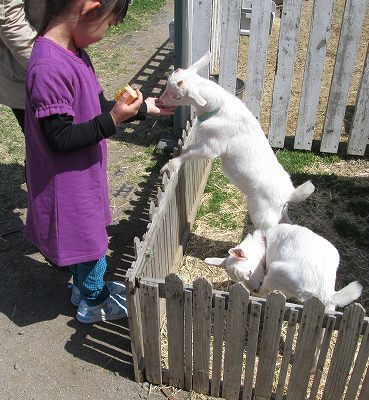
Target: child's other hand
(154, 108)
(122, 111)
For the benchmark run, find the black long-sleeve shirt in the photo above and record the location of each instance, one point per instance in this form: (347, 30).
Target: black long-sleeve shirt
(63, 136)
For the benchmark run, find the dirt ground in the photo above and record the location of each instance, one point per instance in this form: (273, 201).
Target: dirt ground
(44, 352)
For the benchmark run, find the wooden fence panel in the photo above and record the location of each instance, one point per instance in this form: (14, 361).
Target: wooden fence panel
(291, 329)
(290, 22)
(359, 131)
(252, 344)
(175, 316)
(364, 394)
(235, 341)
(202, 297)
(215, 34)
(216, 373)
(307, 341)
(352, 22)
(329, 327)
(257, 55)
(230, 37)
(359, 367)
(313, 75)
(344, 352)
(269, 344)
(188, 340)
(202, 15)
(135, 329)
(151, 332)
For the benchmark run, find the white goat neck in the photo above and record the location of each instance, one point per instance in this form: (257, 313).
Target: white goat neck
(207, 115)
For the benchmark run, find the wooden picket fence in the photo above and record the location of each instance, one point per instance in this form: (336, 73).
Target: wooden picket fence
(227, 344)
(212, 343)
(214, 24)
(201, 321)
(161, 249)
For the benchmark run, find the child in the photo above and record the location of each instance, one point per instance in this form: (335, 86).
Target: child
(68, 121)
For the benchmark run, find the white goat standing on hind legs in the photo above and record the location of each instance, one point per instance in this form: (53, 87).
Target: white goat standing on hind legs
(225, 128)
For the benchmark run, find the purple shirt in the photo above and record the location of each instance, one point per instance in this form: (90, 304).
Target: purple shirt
(68, 200)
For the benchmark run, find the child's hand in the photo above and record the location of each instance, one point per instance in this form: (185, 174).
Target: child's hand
(154, 108)
(122, 111)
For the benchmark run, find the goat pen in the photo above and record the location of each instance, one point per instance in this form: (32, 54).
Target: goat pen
(227, 344)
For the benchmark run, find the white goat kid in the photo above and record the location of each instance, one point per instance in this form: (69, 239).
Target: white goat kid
(291, 259)
(225, 128)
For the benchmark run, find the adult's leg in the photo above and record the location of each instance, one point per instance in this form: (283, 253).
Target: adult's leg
(20, 115)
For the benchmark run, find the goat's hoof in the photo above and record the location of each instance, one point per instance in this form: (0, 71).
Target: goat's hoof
(165, 169)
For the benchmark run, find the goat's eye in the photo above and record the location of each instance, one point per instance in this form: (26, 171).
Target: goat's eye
(179, 83)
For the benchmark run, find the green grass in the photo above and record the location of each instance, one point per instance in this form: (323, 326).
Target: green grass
(294, 161)
(138, 14)
(11, 138)
(221, 192)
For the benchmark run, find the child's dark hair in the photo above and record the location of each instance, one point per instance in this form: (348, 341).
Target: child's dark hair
(56, 8)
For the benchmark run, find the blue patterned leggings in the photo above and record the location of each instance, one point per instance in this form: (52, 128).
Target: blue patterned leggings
(88, 277)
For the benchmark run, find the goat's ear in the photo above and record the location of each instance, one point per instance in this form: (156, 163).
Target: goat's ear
(203, 62)
(195, 96)
(238, 253)
(220, 262)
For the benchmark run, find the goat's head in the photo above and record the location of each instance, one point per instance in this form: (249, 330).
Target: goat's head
(237, 260)
(182, 89)
(243, 259)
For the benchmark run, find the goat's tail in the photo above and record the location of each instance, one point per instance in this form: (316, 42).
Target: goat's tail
(347, 295)
(302, 192)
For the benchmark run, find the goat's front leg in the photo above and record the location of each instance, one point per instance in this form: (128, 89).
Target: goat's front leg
(198, 150)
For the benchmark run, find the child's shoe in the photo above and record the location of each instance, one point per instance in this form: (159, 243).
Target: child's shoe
(114, 288)
(114, 307)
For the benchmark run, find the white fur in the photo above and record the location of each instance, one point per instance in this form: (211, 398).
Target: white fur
(292, 259)
(234, 135)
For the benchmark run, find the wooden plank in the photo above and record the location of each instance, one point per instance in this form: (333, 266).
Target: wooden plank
(307, 342)
(215, 35)
(364, 393)
(359, 130)
(270, 337)
(359, 367)
(290, 22)
(352, 22)
(219, 314)
(151, 332)
(188, 340)
(175, 316)
(202, 16)
(252, 344)
(235, 341)
(230, 37)
(291, 329)
(135, 331)
(331, 321)
(313, 74)
(344, 352)
(202, 298)
(257, 55)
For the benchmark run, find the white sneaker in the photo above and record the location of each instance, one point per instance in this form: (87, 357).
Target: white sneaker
(113, 286)
(114, 307)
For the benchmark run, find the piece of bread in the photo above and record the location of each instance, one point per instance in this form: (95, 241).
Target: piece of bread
(132, 94)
